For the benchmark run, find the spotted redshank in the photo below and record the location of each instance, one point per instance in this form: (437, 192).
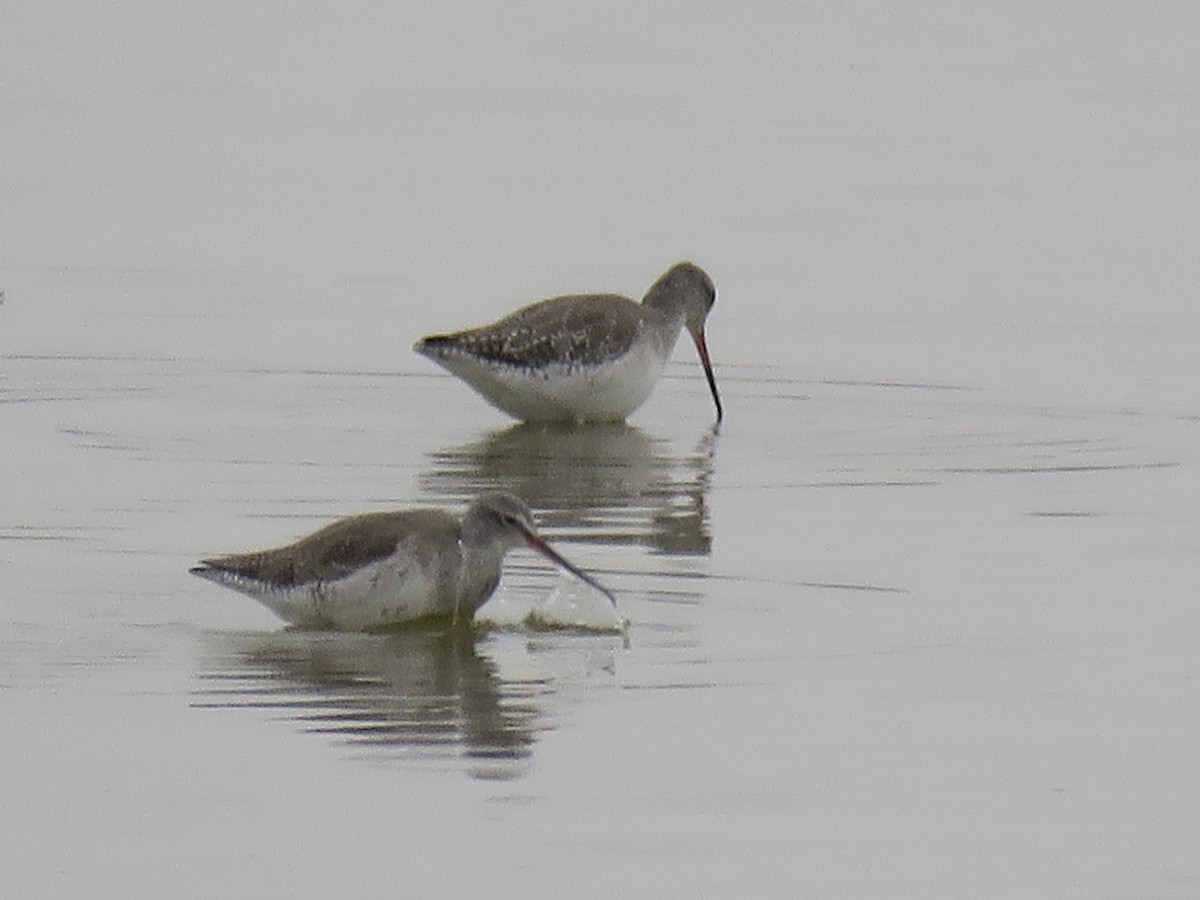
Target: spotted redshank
(583, 357)
(379, 569)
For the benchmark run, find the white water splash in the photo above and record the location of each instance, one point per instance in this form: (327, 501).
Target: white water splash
(573, 604)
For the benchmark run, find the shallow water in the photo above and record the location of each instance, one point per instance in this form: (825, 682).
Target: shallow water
(917, 620)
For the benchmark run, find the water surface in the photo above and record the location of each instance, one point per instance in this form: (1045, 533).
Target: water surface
(917, 620)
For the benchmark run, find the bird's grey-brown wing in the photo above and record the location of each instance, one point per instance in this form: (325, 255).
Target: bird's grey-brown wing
(336, 550)
(577, 330)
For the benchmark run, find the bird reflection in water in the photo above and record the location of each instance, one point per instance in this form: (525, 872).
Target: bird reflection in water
(426, 693)
(603, 484)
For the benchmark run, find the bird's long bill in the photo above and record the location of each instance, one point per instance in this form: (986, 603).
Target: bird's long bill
(550, 553)
(702, 349)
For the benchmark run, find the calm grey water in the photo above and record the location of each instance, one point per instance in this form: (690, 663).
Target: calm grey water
(918, 620)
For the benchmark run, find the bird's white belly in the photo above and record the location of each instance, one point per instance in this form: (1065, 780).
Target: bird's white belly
(553, 393)
(375, 596)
